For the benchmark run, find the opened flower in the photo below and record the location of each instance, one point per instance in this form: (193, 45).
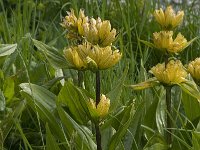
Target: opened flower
(92, 57)
(74, 59)
(74, 25)
(102, 108)
(101, 57)
(172, 73)
(99, 32)
(163, 40)
(194, 69)
(168, 19)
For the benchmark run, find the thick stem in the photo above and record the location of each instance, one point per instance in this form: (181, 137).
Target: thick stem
(169, 109)
(98, 133)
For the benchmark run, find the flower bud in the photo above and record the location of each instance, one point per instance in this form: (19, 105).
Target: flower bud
(102, 108)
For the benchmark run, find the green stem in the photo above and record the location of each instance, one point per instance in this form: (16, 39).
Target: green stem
(169, 109)
(98, 133)
(80, 78)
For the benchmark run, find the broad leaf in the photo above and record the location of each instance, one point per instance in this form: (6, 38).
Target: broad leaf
(52, 55)
(42, 102)
(191, 106)
(75, 101)
(190, 88)
(51, 143)
(81, 135)
(7, 49)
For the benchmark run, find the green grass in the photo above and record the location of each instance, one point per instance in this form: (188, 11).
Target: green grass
(30, 121)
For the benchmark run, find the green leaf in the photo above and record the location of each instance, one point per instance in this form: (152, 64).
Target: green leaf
(196, 140)
(52, 55)
(8, 88)
(50, 140)
(81, 135)
(75, 101)
(157, 142)
(123, 127)
(7, 49)
(144, 85)
(190, 88)
(147, 43)
(115, 93)
(190, 42)
(191, 106)
(42, 102)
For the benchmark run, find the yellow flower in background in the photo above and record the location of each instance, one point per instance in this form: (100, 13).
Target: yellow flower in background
(101, 57)
(172, 73)
(102, 108)
(99, 32)
(194, 69)
(168, 19)
(74, 59)
(163, 40)
(74, 25)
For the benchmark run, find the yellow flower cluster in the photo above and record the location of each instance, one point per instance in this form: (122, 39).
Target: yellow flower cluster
(194, 69)
(95, 52)
(93, 57)
(102, 108)
(99, 32)
(163, 40)
(172, 73)
(94, 31)
(74, 25)
(168, 19)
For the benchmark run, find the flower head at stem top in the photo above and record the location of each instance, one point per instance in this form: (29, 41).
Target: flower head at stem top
(99, 32)
(92, 57)
(170, 73)
(168, 19)
(74, 24)
(163, 40)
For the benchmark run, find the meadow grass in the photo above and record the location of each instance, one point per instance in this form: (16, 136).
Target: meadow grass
(25, 128)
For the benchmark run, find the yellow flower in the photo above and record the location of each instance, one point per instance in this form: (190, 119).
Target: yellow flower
(93, 57)
(172, 73)
(163, 40)
(99, 32)
(74, 25)
(102, 108)
(194, 69)
(74, 59)
(99, 57)
(168, 19)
